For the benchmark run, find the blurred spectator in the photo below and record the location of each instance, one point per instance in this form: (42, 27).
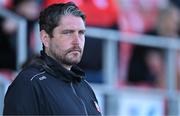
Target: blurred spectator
(154, 59)
(7, 43)
(148, 64)
(168, 22)
(137, 16)
(29, 10)
(147, 67)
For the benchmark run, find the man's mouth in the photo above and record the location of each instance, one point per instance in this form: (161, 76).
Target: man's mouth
(75, 51)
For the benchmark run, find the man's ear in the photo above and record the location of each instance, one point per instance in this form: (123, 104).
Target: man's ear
(44, 38)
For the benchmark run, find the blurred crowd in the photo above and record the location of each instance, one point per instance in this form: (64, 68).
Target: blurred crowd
(138, 65)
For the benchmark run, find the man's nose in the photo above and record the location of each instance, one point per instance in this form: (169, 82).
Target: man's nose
(76, 38)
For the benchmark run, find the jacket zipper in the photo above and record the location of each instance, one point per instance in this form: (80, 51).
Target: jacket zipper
(79, 99)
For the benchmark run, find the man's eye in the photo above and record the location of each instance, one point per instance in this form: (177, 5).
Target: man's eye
(67, 32)
(82, 32)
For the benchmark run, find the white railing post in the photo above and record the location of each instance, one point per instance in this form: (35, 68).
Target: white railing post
(21, 43)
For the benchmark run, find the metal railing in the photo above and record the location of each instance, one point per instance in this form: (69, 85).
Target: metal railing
(21, 41)
(171, 45)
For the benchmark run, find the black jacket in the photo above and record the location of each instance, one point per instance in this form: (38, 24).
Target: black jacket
(45, 87)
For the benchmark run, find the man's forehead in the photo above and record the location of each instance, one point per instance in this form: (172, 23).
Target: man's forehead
(70, 21)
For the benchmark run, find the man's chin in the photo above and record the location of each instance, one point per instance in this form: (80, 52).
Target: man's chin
(73, 62)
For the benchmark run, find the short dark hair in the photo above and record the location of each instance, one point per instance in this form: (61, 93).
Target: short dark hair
(50, 16)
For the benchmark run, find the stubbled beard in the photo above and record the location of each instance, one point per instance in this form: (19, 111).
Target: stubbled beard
(64, 59)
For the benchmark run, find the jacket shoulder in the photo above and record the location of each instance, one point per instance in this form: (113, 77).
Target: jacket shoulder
(29, 73)
(21, 94)
(27, 76)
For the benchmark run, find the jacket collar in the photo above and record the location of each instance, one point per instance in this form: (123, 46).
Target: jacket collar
(75, 74)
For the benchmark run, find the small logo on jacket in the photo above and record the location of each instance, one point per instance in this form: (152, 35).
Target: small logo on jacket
(97, 106)
(42, 78)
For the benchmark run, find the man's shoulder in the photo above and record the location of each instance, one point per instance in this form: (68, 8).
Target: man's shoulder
(29, 74)
(25, 80)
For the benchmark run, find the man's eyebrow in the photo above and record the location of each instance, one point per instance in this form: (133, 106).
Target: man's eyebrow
(68, 30)
(74, 30)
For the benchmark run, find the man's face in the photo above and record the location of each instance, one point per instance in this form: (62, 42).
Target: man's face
(67, 44)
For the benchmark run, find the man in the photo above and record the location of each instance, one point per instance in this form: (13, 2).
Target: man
(52, 84)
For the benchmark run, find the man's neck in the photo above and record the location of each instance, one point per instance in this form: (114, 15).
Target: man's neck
(68, 67)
